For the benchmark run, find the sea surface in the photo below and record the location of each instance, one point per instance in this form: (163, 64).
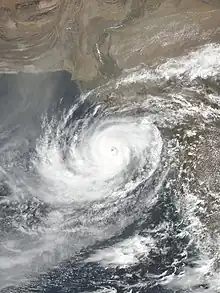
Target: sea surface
(114, 189)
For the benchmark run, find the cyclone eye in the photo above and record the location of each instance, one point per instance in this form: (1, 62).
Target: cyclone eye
(114, 151)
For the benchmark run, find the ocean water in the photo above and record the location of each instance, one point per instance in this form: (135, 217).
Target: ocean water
(115, 189)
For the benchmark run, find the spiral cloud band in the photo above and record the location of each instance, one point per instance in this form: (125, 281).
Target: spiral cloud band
(102, 158)
(124, 181)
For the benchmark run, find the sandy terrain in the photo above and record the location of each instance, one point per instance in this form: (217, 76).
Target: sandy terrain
(96, 39)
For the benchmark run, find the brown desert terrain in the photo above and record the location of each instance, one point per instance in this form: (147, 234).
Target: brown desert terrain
(96, 39)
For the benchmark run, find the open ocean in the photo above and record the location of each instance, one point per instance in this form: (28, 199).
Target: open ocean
(115, 189)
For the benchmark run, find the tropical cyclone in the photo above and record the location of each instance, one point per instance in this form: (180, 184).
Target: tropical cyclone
(96, 39)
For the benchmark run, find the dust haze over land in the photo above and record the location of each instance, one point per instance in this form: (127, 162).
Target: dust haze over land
(97, 39)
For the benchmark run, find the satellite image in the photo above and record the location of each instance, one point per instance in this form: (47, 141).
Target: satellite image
(109, 146)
